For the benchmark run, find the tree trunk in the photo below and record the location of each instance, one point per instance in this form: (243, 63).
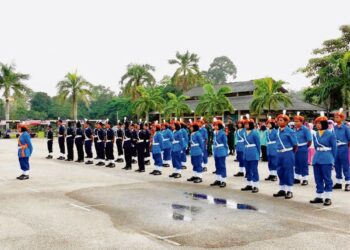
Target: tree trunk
(75, 108)
(7, 112)
(147, 116)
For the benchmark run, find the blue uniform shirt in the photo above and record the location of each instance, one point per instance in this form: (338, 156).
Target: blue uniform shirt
(286, 139)
(168, 138)
(220, 144)
(342, 135)
(240, 140)
(178, 141)
(196, 144)
(271, 137)
(184, 138)
(326, 148)
(204, 134)
(157, 144)
(303, 136)
(25, 147)
(252, 146)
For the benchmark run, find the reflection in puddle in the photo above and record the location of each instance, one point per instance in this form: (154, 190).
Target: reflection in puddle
(222, 202)
(183, 212)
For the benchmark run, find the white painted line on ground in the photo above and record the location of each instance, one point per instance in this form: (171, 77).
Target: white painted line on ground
(161, 238)
(177, 235)
(77, 206)
(96, 205)
(326, 208)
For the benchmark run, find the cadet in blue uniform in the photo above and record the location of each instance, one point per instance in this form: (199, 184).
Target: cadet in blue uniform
(204, 134)
(140, 148)
(25, 150)
(303, 137)
(220, 152)
(251, 156)
(176, 151)
(157, 148)
(286, 146)
(88, 138)
(196, 153)
(168, 138)
(70, 142)
(109, 147)
(342, 134)
(147, 135)
(61, 138)
(326, 151)
(49, 141)
(272, 149)
(240, 146)
(127, 146)
(119, 142)
(101, 137)
(185, 138)
(79, 142)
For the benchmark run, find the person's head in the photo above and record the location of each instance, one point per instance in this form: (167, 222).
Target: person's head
(183, 125)
(249, 124)
(262, 127)
(339, 116)
(78, 124)
(49, 127)
(69, 124)
(108, 124)
(86, 124)
(146, 126)
(298, 120)
(141, 126)
(195, 126)
(177, 126)
(283, 119)
(22, 128)
(99, 125)
(229, 121)
(158, 127)
(321, 122)
(219, 125)
(59, 122)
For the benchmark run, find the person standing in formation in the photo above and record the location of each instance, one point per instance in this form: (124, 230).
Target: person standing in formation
(133, 144)
(79, 142)
(168, 138)
(251, 155)
(141, 148)
(231, 136)
(326, 151)
(119, 142)
(109, 146)
(204, 133)
(101, 136)
(88, 138)
(196, 153)
(95, 134)
(177, 146)
(147, 154)
(25, 150)
(304, 139)
(184, 144)
(271, 137)
(127, 146)
(240, 147)
(220, 151)
(157, 148)
(61, 138)
(70, 142)
(49, 141)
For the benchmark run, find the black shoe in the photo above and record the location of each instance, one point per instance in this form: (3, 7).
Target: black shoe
(126, 168)
(274, 178)
(216, 183)
(157, 172)
(289, 195)
(153, 172)
(111, 165)
(147, 162)
(304, 183)
(166, 165)
(77, 161)
(197, 180)
(223, 184)
(205, 169)
(96, 158)
(177, 176)
(347, 188)
(172, 175)
(327, 202)
(280, 193)
(89, 162)
(255, 190)
(316, 200)
(191, 179)
(269, 178)
(142, 171)
(100, 163)
(214, 172)
(133, 161)
(247, 188)
(49, 157)
(23, 177)
(183, 167)
(239, 174)
(338, 186)
(296, 181)
(137, 170)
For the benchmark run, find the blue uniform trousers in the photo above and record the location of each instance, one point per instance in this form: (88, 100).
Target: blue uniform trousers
(301, 162)
(323, 178)
(24, 163)
(251, 168)
(158, 161)
(220, 166)
(88, 148)
(240, 159)
(196, 162)
(167, 154)
(272, 162)
(342, 163)
(176, 159)
(183, 156)
(205, 155)
(285, 165)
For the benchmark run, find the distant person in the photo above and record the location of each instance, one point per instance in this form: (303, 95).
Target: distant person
(70, 142)
(61, 139)
(49, 137)
(263, 142)
(25, 150)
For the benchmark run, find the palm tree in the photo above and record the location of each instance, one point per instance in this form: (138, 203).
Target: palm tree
(267, 94)
(344, 66)
(150, 100)
(213, 103)
(76, 88)
(187, 74)
(11, 82)
(137, 75)
(176, 105)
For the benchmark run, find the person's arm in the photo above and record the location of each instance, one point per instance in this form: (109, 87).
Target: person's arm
(293, 140)
(29, 143)
(334, 145)
(308, 137)
(257, 142)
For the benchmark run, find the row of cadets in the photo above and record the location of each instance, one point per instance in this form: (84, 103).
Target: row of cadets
(61, 139)
(323, 161)
(342, 133)
(240, 146)
(157, 148)
(204, 134)
(79, 142)
(272, 149)
(88, 138)
(286, 146)
(251, 155)
(176, 151)
(49, 137)
(109, 145)
(220, 152)
(304, 139)
(185, 138)
(196, 153)
(127, 146)
(168, 138)
(119, 142)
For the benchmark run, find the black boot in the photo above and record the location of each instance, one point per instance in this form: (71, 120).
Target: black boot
(289, 195)
(148, 162)
(216, 183)
(157, 172)
(316, 200)
(183, 167)
(247, 188)
(337, 186)
(280, 193)
(327, 202)
(153, 172)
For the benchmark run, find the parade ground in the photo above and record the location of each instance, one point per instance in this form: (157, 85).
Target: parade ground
(76, 206)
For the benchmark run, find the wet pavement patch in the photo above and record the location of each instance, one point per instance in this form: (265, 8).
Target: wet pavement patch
(183, 212)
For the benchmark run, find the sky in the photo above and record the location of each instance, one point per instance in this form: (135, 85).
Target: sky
(47, 39)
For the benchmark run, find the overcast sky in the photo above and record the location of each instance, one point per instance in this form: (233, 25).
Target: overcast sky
(99, 38)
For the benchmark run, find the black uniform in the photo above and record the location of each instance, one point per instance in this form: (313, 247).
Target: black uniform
(95, 141)
(128, 147)
(133, 150)
(109, 147)
(101, 147)
(231, 138)
(70, 143)
(140, 148)
(88, 144)
(119, 142)
(49, 143)
(147, 145)
(61, 133)
(79, 144)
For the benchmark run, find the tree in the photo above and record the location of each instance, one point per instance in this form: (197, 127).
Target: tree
(176, 105)
(76, 88)
(220, 69)
(150, 100)
(137, 75)
(40, 102)
(187, 75)
(268, 94)
(213, 103)
(11, 82)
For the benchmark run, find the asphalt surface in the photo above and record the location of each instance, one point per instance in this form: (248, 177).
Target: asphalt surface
(75, 206)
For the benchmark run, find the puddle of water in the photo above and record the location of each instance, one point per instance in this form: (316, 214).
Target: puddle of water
(183, 212)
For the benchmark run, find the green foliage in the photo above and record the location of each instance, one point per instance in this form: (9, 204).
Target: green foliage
(268, 95)
(213, 103)
(220, 70)
(176, 105)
